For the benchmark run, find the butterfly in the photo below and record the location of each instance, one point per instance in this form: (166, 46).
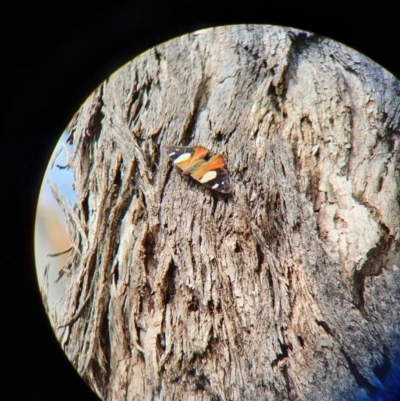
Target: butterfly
(211, 173)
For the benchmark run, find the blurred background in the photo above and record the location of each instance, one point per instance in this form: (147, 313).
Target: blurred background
(51, 236)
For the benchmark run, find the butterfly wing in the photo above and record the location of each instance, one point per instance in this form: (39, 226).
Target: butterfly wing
(184, 157)
(191, 160)
(214, 175)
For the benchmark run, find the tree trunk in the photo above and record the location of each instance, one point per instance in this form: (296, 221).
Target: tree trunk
(287, 289)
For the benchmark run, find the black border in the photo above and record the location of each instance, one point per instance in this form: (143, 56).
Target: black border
(53, 56)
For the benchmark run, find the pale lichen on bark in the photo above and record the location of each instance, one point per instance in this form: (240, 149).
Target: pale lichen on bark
(279, 291)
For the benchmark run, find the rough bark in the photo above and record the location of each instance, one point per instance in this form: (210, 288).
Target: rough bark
(288, 289)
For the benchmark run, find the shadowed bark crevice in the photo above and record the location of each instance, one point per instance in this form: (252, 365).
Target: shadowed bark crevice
(382, 370)
(362, 382)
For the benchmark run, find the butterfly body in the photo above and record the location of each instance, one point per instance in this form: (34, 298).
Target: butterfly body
(192, 160)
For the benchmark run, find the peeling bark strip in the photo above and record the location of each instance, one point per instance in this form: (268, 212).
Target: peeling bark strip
(289, 289)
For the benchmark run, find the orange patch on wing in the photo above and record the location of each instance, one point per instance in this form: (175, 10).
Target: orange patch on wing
(184, 164)
(215, 163)
(199, 153)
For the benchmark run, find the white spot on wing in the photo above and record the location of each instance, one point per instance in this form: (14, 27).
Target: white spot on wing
(172, 153)
(183, 157)
(209, 176)
(215, 186)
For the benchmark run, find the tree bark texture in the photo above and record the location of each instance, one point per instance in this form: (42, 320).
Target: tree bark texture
(287, 289)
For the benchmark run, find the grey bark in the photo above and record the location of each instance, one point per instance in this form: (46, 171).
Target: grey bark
(288, 289)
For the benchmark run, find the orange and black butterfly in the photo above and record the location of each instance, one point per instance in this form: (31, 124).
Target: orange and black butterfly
(192, 160)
